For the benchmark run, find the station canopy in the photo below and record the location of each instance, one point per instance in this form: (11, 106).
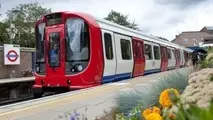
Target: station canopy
(198, 49)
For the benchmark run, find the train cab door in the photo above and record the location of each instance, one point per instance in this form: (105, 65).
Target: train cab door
(139, 60)
(109, 56)
(55, 67)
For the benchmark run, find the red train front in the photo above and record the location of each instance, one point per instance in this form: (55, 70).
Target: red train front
(68, 53)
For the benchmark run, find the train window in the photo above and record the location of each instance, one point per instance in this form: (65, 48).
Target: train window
(148, 52)
(138, 50)
(40, 59)
(54, 49)
(125, 49)
(108, 46)
(142, 50)
(169, 54)
(165, 53)
(157, 53)
(76, 45)
(40, 42)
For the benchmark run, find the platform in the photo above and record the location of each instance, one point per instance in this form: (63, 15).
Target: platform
(91, 102)
(15, 80)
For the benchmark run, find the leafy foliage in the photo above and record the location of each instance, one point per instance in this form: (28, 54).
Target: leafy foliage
(148, 98)
(24, 18)
(192, 112)
(121, 19)
(208, 62)
(3, 33)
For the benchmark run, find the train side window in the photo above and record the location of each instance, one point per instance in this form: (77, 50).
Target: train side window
(108, 46)
(169, 53)
(125, 49)
(157, 53)
(138, 50)
(148, 52)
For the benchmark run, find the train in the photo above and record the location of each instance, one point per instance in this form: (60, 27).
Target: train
(76, 50)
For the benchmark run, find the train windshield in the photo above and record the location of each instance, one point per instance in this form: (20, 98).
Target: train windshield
(40, 42)
(40, 59)
(77, 43)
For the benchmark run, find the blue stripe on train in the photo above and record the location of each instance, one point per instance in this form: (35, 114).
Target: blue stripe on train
(151, 71)
(117, 77)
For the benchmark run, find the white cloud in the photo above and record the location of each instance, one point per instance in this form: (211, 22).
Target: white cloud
(165, 18)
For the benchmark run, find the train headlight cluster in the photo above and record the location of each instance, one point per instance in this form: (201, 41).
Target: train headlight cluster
(79, 67)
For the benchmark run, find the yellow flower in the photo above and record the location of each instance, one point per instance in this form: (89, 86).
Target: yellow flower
(146, 112)
(165, 100)
(156, 110)
(153, 116)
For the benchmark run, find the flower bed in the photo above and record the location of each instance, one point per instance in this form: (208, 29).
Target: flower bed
(180, 96)
(132, 104)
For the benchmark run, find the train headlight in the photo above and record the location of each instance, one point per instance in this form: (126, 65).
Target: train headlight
(68, 82)
(42, 81)
(80, 67)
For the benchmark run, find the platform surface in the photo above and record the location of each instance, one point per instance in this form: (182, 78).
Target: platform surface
(91, 102)
(13, 80)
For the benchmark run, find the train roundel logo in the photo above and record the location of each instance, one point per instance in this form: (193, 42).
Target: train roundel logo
(12, 56)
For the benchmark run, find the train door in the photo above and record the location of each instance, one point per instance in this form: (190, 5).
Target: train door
(148, 57)
(173, 58)
(182, 57)
(139, 61)
(55, 67)
(186, 58)
(109, 56)
(124, 54)
(164, 59)
(157, 57)
(169, 54)
(177, 58)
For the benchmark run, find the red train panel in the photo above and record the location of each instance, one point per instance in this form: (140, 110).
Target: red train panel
(164, 58)
(139, 59)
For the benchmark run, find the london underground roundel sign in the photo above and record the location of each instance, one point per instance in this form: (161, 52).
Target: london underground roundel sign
(12, 55)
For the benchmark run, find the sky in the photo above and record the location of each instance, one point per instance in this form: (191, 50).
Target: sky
(164, 18)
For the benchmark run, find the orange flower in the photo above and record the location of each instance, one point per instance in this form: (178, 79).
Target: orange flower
(156, 110)
(165, 98)
(146, 112)
(153, 116)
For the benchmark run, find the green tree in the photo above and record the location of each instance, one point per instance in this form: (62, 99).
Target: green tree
(3, 33)
(24, 19)
(121, 19)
